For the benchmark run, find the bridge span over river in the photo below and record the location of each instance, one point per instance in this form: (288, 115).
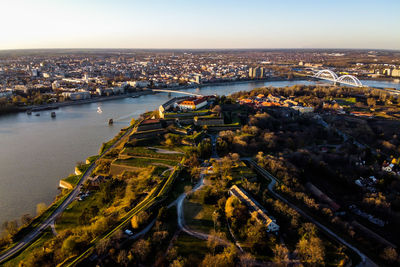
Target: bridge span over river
(331, 76)
(177, 92)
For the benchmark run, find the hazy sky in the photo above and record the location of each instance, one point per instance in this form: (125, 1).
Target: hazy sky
(199, 24)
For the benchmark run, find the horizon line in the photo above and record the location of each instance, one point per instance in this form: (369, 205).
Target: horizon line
(137, 48)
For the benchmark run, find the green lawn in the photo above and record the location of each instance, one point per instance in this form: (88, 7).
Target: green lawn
(198, 216)
(178, 148)
(158, 170)
(349, 101)
(91, 159)
(146, 152)
(142, 162)
(72, 179)
(69, 218)
(243, 171)
(191, 246)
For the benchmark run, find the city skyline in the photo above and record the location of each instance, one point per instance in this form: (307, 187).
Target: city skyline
(207, 25)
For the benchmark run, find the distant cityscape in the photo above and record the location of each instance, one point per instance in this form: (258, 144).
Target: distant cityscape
(42, 77)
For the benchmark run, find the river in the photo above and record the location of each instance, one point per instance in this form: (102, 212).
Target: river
(37, 151)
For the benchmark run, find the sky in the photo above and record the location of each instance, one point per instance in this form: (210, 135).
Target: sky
(196, 24)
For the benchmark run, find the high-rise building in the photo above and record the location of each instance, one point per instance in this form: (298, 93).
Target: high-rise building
(256, 73)
(35, 73)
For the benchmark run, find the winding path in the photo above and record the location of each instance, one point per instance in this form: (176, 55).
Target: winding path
(179, 201)
(181, 219)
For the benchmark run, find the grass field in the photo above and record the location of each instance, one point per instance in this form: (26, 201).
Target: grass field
(243, 171)
(186, 244)
(82, 168)
(349, 101)
(146, 152)
(144, 162)
(198, 216)
(70, 216)
(72, 179)
(92, 158)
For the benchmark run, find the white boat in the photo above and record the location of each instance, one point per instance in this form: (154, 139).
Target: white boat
(99, 110)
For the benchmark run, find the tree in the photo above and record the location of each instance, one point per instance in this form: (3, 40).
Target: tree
(40, 208)
(389, 254)
(195, 172)
(205, 148)
(226, 258)
(11, 227)
(159, 236)
(230, 205)
(102, 245)
(246, 260)
(281, 255)
(142, 249)
(139, 219)
(100, 225)
(122, 258)
(371, 102)
(256, 236)
(172, 139)
(212, 243)
(26, 219)
(179, 262)
(311, 250)
(308, 230)
(69, 245)
(216, 216)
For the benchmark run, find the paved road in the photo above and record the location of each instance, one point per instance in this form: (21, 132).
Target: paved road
(179, 210)
(365, 261)
(181, 198)
(49, 221)
(181, 220)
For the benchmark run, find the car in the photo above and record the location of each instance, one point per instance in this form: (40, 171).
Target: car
(128, 232)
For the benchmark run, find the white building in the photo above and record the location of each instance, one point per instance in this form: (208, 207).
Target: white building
(77, 95)
(193, 103)
(303, 109)
(139, 84)
(256, 210)
(118, 90)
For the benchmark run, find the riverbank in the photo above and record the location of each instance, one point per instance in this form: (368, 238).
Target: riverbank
(50, 148)
(146, 91)
(85, 101)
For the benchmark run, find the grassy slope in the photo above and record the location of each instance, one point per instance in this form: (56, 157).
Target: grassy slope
(40, 242)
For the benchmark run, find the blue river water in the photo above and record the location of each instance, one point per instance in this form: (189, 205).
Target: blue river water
(37, 151)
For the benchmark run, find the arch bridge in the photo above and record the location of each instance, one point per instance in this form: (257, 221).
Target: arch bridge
(331, 76)
(177, 92)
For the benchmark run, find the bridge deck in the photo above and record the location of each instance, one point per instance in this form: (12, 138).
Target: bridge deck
(177, 92)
